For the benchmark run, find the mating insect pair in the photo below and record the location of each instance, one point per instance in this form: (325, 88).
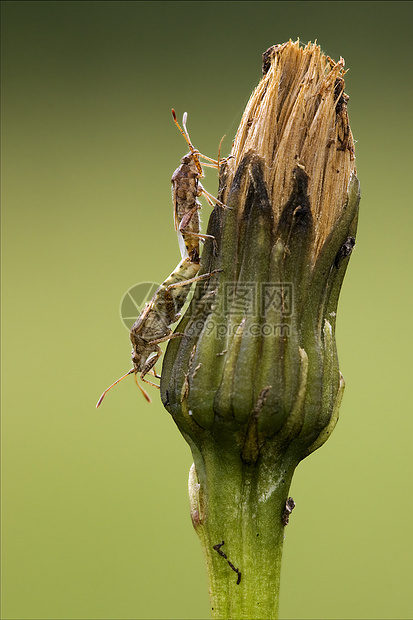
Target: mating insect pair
(153, 326)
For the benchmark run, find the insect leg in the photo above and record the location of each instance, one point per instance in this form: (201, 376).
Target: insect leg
(213, 161)
(204, 276)
(204, 238)
(149, 382)
(154, 373)
(166, 338)
(149, 364)
(187, 217)
(200, 235)
(211, 199)
(144, 392)
(186, 221)
(209, 165)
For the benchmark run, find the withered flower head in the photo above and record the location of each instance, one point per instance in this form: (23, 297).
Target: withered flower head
(297, 117)
(254, 384)
(258, 357)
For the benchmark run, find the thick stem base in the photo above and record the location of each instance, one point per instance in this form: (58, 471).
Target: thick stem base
(237, 511)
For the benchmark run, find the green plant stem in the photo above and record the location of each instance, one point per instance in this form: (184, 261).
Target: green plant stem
(241, 506)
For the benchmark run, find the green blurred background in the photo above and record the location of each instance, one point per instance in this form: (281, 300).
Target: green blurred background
(95, 511)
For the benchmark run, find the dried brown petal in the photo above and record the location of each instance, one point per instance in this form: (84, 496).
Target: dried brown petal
(298, 116)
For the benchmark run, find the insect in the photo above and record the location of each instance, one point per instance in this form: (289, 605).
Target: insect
(153, 325)
(186, 189)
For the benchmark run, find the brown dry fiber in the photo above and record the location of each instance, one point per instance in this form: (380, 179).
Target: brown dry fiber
(298, 115)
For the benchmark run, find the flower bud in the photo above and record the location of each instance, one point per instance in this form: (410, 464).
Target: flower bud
(257, 368)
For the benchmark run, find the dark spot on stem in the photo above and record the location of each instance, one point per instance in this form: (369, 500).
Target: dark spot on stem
(217, 548)
(345, 250)
(289, 507)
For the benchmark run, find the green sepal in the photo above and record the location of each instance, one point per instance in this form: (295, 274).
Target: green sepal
(327, 430)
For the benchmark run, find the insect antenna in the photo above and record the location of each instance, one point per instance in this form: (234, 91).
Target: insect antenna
(185, 134)
(113, 385)
(144, 393)
(184, 119)
(132, 370)
(214, 162)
